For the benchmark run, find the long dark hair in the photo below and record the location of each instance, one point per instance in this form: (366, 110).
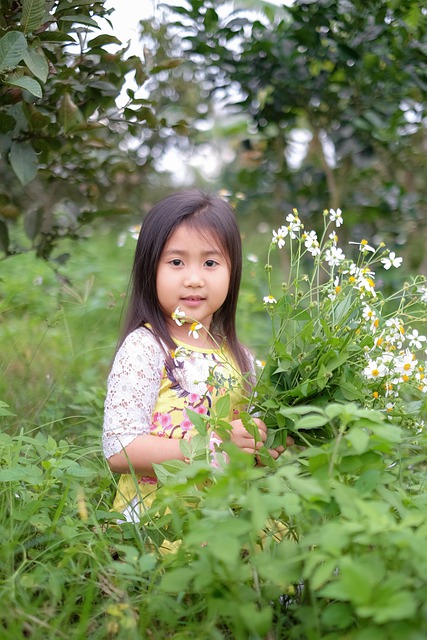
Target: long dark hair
(211, 215)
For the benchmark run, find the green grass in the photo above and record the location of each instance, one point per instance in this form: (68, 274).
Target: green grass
(353, 512)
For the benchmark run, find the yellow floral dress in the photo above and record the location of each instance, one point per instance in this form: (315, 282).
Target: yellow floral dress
(149, 391)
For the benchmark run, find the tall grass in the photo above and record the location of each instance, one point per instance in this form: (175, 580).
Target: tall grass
(349, 517)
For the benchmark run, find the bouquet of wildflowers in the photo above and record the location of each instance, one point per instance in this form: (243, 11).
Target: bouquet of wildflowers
(336, 338)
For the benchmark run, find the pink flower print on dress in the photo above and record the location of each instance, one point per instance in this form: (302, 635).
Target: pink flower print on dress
(186, 424)
(202, 410)
(161, 420)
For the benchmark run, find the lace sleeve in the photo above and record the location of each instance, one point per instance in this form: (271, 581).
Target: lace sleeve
(132, 390)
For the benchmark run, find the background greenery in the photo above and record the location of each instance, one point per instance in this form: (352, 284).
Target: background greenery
(78, 168)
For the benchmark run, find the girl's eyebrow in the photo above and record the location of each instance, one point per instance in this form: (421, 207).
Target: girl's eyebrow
(183, 252)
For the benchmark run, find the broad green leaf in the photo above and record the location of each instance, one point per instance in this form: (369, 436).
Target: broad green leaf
(69, 114)
(390, 606)
(55, 36)
(322, 573)
(37, 63)
(222, 406)
(30, 474)
(32, 14)
(199, 421)
(29, 84)
(80, 19)
(359, 438)
(23, 159)
(167, 64)
(300, 410)
(177, 579)
(7, 123)
(338, 615)
(311, 422)
(100, 41)
(12, 48)
(255, 619)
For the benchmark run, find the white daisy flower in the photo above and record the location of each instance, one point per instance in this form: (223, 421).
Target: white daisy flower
(374, 370)
(194, 330)
(364, 246)
(415, 339)
(269, 300)
(311, 243)
(391, 261)
(279, 236)
(178, 316)
(334, 256)
(405, 363)
(336, 216)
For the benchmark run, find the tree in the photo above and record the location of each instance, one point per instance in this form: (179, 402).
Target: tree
(352, 75)
(62, 134)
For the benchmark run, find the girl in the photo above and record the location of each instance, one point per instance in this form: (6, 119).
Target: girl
(179, 348)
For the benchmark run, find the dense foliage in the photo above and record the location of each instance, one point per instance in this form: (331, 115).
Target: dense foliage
(70, 125)
(329, 104)
(337, 337)
(327, 543)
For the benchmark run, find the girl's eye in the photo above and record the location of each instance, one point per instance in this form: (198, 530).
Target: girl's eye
(210, 263)
(176, 262)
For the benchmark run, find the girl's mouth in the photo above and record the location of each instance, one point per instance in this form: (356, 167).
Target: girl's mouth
(192, 300)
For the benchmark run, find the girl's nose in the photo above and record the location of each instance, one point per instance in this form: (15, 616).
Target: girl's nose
(194, 279)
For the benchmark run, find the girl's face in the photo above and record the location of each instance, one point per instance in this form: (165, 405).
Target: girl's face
(193, 274)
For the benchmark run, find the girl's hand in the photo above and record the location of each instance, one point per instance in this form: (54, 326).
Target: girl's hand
(243, 439)
(277, 451)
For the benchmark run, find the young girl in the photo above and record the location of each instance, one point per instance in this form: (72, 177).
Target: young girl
(179, 349)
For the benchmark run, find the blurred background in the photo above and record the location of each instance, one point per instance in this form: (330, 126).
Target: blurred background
(106, 107)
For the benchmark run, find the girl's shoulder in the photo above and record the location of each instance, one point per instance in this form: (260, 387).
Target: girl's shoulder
(142, 342)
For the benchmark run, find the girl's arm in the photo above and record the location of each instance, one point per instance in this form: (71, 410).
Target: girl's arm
(143, 452)
(133, 388)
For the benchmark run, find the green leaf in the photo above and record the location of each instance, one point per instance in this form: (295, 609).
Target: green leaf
(167, 64)
(100, 41)
(359, 438)
(4, 408)
(7, 123)
(69, 114)
(199, 421)
(80, 19)
(37, 63)
(23, 159)
(32, 222)
(29, 84)
(311, 422)
(222, 407)
(30, 474)
(55, 36)
(390, 606)
(32, 14)
(177, 580)
(12, 48)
